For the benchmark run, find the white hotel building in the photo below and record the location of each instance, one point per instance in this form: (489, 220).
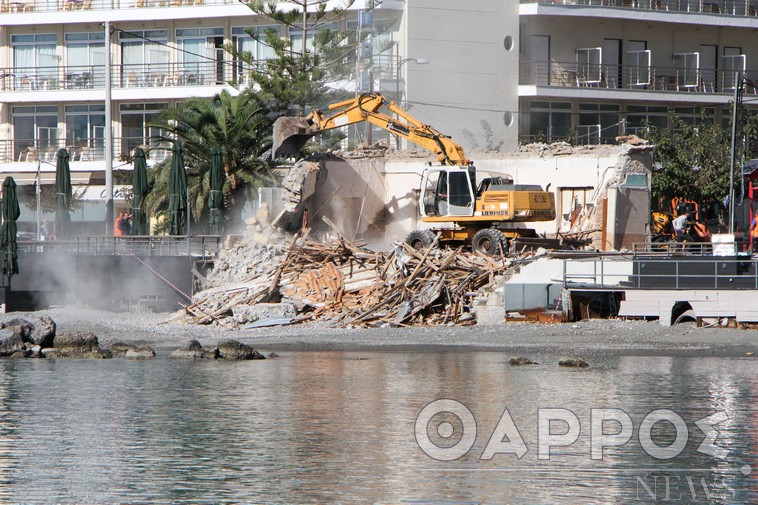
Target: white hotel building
(490, 73)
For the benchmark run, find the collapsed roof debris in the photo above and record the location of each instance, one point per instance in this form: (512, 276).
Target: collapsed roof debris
(342, 283)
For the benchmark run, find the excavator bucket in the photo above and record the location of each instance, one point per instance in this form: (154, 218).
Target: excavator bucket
(290, 135)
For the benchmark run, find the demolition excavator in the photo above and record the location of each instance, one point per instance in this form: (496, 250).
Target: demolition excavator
(451, 202)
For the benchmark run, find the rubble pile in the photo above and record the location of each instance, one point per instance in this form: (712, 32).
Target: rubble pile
(343, 283)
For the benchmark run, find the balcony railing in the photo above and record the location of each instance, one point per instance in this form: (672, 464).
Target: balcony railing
(631, 77)
(721, 7)
(93, 149)
(21, 6)
(204, 73)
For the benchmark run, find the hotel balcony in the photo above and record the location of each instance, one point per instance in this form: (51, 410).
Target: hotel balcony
(629, 82)
(32, 151)
(710, 7)
(25, 6)
(154, 75)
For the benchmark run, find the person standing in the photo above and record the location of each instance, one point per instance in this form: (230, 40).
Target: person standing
(44, 230)
(117, 225)
(126, 224)
(680, 227)
(753, 234)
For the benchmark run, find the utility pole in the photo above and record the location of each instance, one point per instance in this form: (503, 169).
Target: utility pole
(108, 136)
(735, 115)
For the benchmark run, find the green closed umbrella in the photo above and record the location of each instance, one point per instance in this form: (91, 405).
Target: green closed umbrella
(62, 195)
(9, 230)
(215, 196)
(177, 185)
(139, 188)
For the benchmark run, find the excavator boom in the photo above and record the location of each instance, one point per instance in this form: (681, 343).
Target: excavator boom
(292, 133)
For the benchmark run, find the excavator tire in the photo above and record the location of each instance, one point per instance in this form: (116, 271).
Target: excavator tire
(489, 241)
(420, 239)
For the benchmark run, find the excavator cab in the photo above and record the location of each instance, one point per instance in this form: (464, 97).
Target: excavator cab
(448, 191)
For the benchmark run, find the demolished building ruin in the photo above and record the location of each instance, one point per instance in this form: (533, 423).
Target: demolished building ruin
(270, 277)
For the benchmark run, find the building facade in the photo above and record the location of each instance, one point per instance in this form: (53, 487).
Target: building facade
(596, 69)
(490, 73)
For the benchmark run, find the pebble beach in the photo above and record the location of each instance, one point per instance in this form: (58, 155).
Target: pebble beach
(167, 331)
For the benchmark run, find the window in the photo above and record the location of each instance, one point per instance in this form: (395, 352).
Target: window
(202, 55)
(574, 205)
(35, 131)
(638, 116)
(694, 116)
(85, 59)
(640, 72)
(460, 192)
(35, 62)
(588, 65)
(134, 125)
(258, 49)
(549, 121)
(296, 37)
(85, 131)
(597, 123)
(143, 53)
(734, 62)
(687, 67)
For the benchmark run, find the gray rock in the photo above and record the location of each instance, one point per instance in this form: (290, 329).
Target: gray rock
(59, 353)
(520, 361)
(120, 348)
(235, 350)
(78, 341)
(273, 355)
(21, 326)
(573, 362)
(140, 353)
(10, 342)
(78, 344)
(194, 350)
(43, 332)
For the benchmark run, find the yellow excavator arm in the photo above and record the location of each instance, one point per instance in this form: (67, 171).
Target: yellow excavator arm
(291, 134)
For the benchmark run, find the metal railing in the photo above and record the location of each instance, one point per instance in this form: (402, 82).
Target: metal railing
(27, 6)
(631, 77)
(79, 149)
(197, 246)
(675, 266)
(79, 77)
(720, 7)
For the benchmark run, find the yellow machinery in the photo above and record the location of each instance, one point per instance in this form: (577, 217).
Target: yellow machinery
(450, 199)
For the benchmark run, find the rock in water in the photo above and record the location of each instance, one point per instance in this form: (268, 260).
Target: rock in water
(10, 342)
(235, 350)
(573, 362)
(140, 353)
(194, 350)
(520, 361)
(43, 332)
(120, 348)
(78, 344)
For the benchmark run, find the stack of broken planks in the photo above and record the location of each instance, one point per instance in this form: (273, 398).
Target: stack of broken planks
(348, 285)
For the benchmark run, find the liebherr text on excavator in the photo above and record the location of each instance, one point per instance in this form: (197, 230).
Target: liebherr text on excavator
(450, 201)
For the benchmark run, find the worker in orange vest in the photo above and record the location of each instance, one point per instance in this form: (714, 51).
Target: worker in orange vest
(117, 225)
(753, 234)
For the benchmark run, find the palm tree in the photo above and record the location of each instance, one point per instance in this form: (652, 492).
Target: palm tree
(240, 126)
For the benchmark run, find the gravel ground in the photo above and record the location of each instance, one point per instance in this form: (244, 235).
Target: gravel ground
(586, 338)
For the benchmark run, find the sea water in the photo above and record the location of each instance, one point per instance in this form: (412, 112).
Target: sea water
(374, 427)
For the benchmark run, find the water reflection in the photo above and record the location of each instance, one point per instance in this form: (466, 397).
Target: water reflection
(339, 428)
